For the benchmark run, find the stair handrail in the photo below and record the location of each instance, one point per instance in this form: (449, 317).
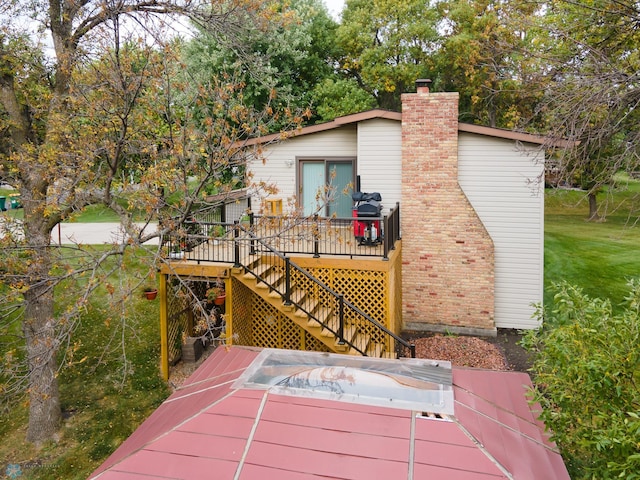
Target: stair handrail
(286, 295)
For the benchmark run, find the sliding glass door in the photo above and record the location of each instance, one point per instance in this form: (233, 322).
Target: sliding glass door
(326, 187)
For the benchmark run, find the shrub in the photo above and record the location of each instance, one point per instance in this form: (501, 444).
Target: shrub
(587, 379)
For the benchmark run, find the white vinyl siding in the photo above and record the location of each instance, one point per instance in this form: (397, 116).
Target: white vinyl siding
(337, 143)
(502, 181)
(500, 177)
(380, 160)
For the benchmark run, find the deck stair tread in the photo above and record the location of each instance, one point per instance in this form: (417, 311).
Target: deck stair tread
(295, 296)
(258, 271)
(298, 294)
(349, 332)
(310, 306)
(313, 323)
(322, 314)
(275, 294)
(273, 279)
(361, 341)
(332, 326)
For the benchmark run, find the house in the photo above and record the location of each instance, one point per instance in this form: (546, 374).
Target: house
(249, 413)
(456, 245)
(472, 203)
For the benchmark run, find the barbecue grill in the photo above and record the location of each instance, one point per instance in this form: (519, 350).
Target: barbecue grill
(367, 209)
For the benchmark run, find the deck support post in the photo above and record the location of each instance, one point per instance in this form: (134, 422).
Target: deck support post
(236, 244)
(164, 328)
(252, 248)
(386, 239)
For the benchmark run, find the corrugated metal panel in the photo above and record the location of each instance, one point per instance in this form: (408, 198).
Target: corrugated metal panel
(208, 385)
(490, 406)
(500, 180)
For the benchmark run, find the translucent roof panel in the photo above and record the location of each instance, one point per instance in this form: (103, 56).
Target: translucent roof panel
(408, 383)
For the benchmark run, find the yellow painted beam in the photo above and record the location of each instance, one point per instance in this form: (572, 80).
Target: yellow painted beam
(193, 269)
(228, 314)
(164, 329)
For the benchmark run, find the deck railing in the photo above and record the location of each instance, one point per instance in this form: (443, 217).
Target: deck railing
(203, 238)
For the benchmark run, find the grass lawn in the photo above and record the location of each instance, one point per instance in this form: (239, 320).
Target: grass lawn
(597, 256)
(101, 409)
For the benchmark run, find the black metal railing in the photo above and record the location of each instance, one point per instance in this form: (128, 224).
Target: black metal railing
(203, 241)
(319, 303)
(286, 234)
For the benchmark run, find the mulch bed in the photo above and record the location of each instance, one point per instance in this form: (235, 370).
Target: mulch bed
(461, 351)
(502, 352)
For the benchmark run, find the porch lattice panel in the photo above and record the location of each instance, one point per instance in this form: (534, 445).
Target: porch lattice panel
(312, 344)
(366, 290)
(271, 329)
(258, 324)
(180, 319)
(242, 311)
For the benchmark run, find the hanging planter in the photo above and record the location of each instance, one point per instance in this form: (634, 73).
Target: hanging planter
(216, 294)
(150, 293)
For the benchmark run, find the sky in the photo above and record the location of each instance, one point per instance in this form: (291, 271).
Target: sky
(334, 7)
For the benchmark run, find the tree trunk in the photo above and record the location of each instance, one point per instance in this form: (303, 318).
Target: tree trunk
(39, 328)
(593, 207)
(42, 348)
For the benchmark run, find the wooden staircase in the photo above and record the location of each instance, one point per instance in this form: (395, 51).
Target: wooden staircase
(308, 312)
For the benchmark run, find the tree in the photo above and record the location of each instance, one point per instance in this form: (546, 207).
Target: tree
(591, 63)
(292, 59)
(387, 45)
(78, 125)
(338, 97)
(587, 381)
(481, 58)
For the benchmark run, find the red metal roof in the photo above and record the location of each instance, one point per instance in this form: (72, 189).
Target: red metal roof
(206, 429)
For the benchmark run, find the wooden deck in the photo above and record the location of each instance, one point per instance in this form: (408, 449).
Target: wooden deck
(254, 316)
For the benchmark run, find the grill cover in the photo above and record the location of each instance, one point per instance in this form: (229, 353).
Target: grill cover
(368, 204)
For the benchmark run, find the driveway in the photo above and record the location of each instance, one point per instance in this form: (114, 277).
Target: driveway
(86, 233)
(92, 233)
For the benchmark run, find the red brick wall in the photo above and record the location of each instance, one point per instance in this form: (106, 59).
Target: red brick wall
(448, 263)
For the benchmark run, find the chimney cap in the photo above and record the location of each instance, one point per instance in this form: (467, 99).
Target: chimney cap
(423, 83)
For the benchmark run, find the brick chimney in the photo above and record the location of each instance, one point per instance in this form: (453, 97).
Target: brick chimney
(448, 260)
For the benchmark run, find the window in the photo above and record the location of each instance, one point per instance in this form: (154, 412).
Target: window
(325, 187)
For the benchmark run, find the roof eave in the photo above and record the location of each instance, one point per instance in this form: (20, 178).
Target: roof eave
(397, 116)
(322, 127)
(513, 135)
